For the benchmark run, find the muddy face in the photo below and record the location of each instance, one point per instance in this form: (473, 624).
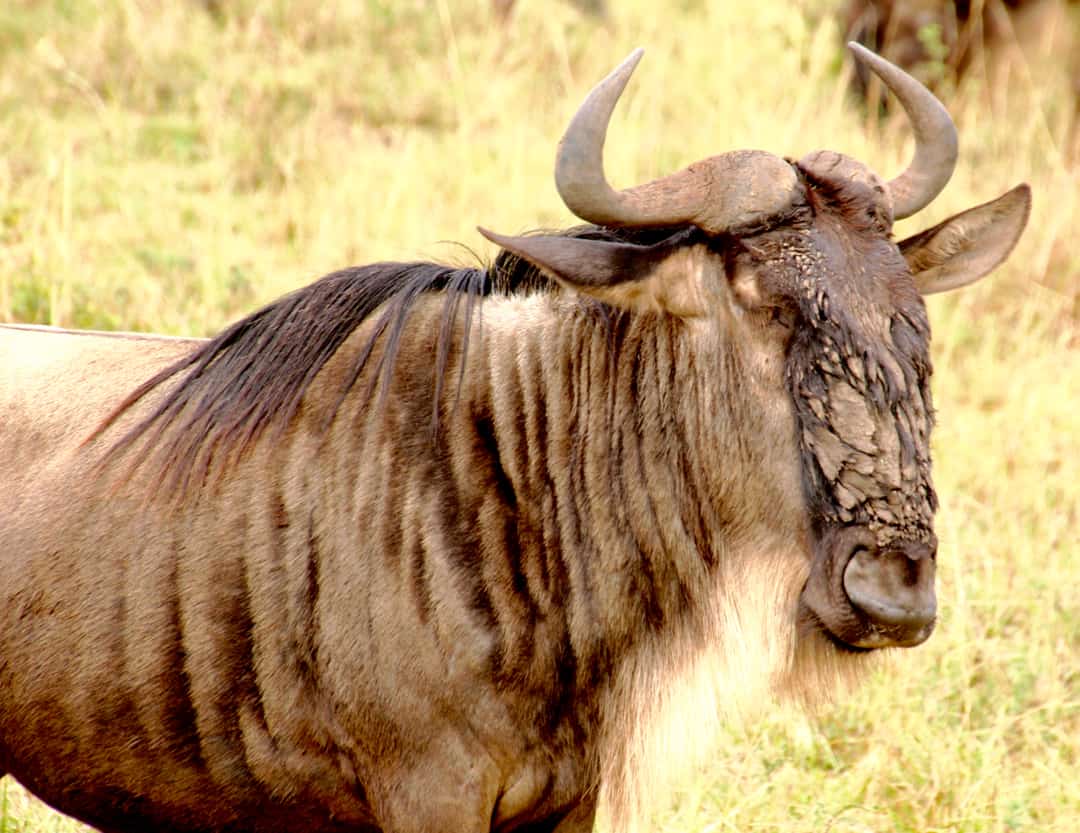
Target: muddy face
(858, 372)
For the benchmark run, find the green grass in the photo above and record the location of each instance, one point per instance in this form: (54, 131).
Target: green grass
(169, 165)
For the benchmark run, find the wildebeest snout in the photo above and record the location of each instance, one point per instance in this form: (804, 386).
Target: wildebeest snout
(870, 596)
(893, 588)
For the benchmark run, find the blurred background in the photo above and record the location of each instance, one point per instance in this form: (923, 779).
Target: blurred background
(169, 165)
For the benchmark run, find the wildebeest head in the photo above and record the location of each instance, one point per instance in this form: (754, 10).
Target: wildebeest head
(796, 259)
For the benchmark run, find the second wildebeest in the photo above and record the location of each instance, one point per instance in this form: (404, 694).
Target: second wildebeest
(424, 549)
(945, 41)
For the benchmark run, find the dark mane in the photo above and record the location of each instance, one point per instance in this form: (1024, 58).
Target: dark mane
(253, 375)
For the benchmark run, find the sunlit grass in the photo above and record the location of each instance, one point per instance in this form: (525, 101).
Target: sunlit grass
(166, 166)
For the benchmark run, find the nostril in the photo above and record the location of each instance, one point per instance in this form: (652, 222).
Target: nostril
(917, 551)
(908, 568)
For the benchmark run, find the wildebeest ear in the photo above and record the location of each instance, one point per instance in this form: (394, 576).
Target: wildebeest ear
(968, 245)
(658, 278)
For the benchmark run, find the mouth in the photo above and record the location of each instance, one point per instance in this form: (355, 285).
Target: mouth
(810, 624)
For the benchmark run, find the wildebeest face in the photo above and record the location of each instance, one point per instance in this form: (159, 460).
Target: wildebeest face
(857, 369)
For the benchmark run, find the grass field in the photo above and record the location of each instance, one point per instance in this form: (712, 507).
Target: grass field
(168, 165)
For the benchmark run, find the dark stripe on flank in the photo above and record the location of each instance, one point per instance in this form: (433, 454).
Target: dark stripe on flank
(115, 715)
(508, 524)
(647, 591)
(469, 569)
(560, 705)
(309, 605)
(485, 432)
(463, 552)
(247, 691)
(421, 585)
(180, 729)
(226, 640)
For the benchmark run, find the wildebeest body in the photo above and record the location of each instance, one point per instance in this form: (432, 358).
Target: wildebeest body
(421, 549)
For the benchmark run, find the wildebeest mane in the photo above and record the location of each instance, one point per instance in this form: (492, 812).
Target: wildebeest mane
(253, 375)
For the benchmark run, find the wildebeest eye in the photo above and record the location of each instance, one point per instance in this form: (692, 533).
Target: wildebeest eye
(782, 316)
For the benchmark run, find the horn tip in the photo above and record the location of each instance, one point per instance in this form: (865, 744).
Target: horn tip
(861, 53)
(627, 65)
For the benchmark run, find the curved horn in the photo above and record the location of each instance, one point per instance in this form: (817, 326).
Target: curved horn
(935, 136)
(716, 194)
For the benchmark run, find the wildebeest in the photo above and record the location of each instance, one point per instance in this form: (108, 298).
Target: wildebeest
(420, 548)
(937, 41)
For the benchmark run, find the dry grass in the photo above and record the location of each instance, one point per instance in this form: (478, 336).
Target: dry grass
(169, 165)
